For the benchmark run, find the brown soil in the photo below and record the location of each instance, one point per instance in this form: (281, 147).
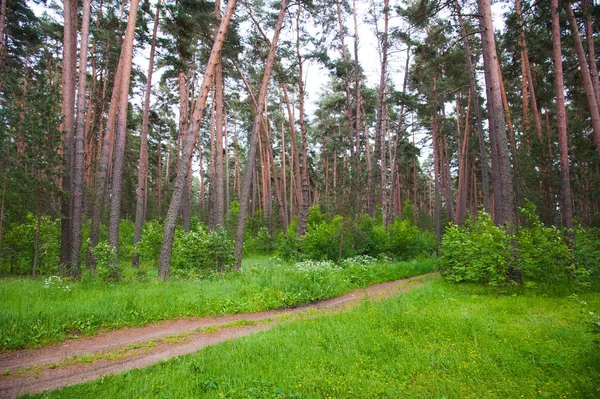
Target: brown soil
(79, 360)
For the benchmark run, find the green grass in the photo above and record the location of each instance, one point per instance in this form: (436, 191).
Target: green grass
(31, 315)
(437, 341)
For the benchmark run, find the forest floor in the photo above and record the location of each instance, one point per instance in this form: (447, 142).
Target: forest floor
(79, 360)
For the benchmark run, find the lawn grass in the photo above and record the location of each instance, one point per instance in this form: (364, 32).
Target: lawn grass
(436, 341)
(34, 315)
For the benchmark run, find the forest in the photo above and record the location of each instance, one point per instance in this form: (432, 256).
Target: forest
(405, 193)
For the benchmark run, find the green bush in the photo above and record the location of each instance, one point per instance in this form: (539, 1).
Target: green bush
(327, 241)
(202, 250)
(262, 243)
(18, 246)
(587, 250)
(478, 252)
(150, 242)
(543, 253)
(481, 252)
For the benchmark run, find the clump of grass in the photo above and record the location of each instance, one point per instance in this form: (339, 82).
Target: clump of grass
(34, 313)
(436, 341)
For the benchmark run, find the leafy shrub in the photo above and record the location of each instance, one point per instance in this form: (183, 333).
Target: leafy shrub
(288, 245)
(370, 237)
(543, 253)
(262, 243)
(18, 245)
(107, 267)
(482, 252)
(150, 241)
(477, 252)
(587, 250)
(327, 241)
(202, 250)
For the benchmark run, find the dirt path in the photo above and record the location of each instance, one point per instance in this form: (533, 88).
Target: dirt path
(76, 361)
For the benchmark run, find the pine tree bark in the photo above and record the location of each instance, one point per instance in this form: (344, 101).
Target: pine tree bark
(103, 167)
(218, 208)
(68, 113)
(252, 144)
(561, 119)
(585, 75)
(377, 165)
(182, 170)
(485, 181)
(120, 134)
(589, 34)
(303, 214)
(78, 169)
(504, 201)
(140, 209)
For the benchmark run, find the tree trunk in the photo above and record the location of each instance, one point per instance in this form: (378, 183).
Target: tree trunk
(79, 141)
(585, 74)
(485, 181)
(36, 240)
(252, 144)
(140, 209)
(504, 202)
(461, 200)
(184, 90)
(303, 214)
(5, 180)
(438, 205)
(103, 167)
(120, 134)
(218, 208)
(171, 218)
(589, 34)
(561, 119)
(68, 113)
(295, 158)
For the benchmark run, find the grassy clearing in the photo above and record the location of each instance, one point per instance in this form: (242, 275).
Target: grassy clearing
(38, 312)
(437, 341)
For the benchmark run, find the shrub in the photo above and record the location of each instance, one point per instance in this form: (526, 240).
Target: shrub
(406, 241)
(477, 252)
(202, 250)
(327, 241)
(587, 250)
(262, 243)
(543, 253)
(150, 241)
(18, 245)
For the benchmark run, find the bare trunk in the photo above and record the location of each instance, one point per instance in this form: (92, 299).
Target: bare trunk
(140, 209)
(461, 200)
(184, 89)
(5, 180)
(589, 34)
(171, 218)
(103, 167)
(561, 120)
(79, 141)
(120, 134)
(218, 208)
(438, 204)
(504, 202)
(68, 113)
(585, 74)
(303, 214)
(485, 181)
(295, 158)
(260, 107)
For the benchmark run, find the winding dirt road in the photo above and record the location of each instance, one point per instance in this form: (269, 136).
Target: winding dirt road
(85, 359)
